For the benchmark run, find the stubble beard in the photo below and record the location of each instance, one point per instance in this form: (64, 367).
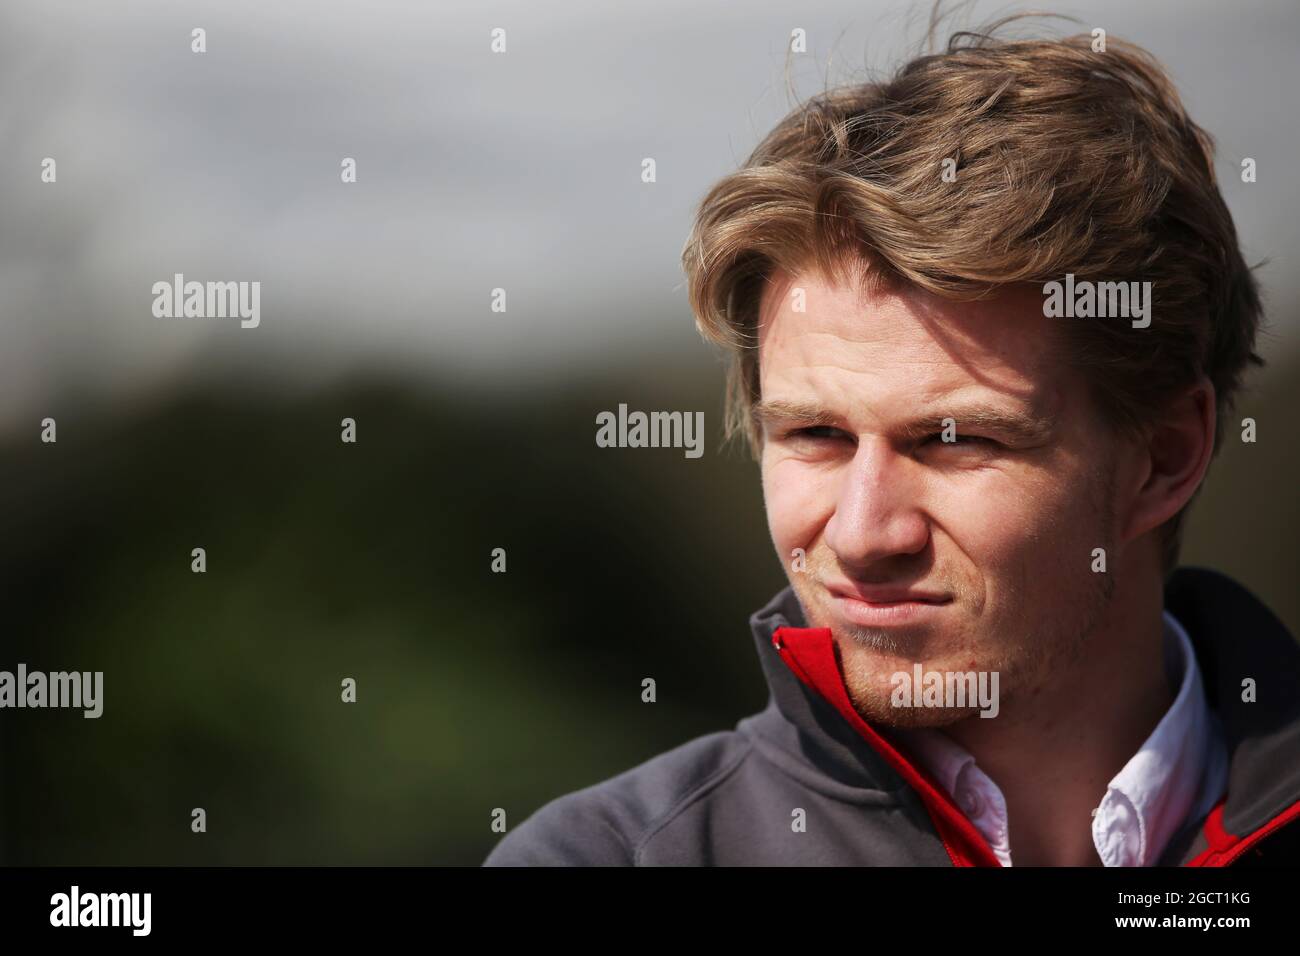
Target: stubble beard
(1026, 664)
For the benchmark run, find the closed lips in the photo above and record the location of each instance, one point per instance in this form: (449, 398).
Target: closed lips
(885, 596)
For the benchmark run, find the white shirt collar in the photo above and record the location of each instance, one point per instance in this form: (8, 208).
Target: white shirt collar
(1178, 773)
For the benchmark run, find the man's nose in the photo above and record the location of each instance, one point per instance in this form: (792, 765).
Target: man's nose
(877, 509)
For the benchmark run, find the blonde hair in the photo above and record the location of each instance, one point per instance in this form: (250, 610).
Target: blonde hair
(1066, 160)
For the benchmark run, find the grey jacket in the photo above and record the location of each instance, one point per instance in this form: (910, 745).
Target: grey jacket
(806, 782)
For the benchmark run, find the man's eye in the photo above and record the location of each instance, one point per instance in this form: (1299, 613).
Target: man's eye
(816, 431)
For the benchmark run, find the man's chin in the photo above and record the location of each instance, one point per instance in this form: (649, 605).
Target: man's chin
(908, 686)
(881, 712)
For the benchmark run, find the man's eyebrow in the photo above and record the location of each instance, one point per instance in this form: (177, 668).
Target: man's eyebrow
(1018, 426)
(775, 410)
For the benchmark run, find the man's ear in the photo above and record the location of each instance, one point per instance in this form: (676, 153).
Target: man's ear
(1173, 458)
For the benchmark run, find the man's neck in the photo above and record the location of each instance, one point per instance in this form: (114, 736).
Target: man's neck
(1053, 753)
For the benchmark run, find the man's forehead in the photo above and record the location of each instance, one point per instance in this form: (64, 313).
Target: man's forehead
(810, 326)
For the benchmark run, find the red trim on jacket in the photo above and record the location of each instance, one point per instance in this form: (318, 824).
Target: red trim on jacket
(810, 653)
(1226, 848)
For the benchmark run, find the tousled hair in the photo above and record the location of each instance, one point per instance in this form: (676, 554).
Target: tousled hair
(1067, 160)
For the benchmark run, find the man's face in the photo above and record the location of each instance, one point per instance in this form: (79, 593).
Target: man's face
(970, 555)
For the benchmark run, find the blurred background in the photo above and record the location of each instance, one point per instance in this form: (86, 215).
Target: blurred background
(475, 428)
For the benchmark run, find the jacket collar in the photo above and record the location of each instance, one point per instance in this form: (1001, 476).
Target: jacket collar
(803, 672)
(1234, 635)
(805, 721)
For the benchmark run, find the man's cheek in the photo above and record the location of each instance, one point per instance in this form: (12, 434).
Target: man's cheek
(1001, 530)
(1040, 535)
(793, 510)
(787, 524)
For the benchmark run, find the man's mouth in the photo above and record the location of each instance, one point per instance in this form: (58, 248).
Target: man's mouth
(879, 606)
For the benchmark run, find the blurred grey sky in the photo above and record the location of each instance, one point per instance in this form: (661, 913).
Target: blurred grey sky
(475, 171)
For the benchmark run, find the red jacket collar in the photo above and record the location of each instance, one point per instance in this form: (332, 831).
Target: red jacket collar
(810, 653)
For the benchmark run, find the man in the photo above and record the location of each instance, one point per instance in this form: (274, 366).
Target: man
(987, 321)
